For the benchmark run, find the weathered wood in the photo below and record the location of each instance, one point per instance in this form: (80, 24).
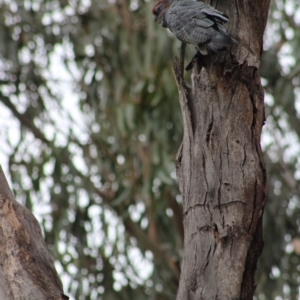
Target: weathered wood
(26, 267)
(220, 167)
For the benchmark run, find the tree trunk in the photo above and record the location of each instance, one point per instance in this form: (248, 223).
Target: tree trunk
(220, 167)
(26, 268)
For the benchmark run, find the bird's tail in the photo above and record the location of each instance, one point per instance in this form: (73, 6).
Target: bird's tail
(220, 42)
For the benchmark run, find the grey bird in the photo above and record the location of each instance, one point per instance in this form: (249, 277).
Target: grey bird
(194, 22)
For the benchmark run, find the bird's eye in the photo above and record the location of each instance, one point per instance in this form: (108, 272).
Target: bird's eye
(157, 10)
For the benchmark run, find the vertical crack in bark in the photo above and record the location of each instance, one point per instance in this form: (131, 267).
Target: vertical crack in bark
(207, 259)
(223, 221)
(219, 197)
(253, 125)
(216, 237)
(254, 212)
(227, 152)
(179, 168)
(205, 198)
(220, 182)
(231, 245)
(243, 163)
(209, 130)
(208, 207)
(204, 170)
(245, 156)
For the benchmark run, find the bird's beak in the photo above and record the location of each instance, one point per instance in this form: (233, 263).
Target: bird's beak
(155, 18)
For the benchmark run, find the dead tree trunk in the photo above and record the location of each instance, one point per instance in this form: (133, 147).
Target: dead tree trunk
(220, 167)
(26, 267)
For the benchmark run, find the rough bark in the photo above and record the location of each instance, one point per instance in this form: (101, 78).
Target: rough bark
(26, 268)
(220, 167)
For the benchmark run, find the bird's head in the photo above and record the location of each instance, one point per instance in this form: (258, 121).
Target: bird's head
(159, 9)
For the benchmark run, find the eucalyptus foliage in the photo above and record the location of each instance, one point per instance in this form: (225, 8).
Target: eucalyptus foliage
(279, 270)
(90, 127)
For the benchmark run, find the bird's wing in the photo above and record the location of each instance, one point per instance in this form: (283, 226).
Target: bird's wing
(216, 14)
(202, 8)
(189, 21)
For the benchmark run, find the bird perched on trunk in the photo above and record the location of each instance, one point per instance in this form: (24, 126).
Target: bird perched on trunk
(195, 23)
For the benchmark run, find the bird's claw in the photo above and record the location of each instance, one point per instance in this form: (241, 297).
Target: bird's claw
(196, 57)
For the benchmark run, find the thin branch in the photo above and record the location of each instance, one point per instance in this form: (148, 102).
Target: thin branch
(24, 120)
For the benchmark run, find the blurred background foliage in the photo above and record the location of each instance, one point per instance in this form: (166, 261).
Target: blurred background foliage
(90, 126)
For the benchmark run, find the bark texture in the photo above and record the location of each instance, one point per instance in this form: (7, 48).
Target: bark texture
(26, 268)
(220, 167)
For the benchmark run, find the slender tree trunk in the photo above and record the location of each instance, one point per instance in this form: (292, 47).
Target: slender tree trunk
(26, 267)
(220, 167)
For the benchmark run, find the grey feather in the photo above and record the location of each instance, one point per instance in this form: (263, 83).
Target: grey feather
(197, 23)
